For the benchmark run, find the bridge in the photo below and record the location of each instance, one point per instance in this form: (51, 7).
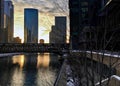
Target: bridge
(110, 62)
(33, 47)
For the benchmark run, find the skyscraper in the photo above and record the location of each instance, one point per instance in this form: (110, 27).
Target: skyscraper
(53, 35)
(30, 25)
(61, 26)
(8, 21)
(81, 23)
(74, 6)
(1, 20)
(58, 31)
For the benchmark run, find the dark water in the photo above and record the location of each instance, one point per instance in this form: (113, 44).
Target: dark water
(29, 70)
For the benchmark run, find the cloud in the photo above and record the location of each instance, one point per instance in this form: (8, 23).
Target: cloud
(47, 10)
(44, 5)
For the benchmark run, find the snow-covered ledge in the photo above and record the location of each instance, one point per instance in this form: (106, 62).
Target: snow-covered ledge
(8, 54)
(117, 78)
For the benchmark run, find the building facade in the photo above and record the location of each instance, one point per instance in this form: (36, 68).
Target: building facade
(1, 20)
(30, 25)
(82, 23)
(8, 21)
(109, 25)
(58, 31)
(61, 26)
(75, 22)
(52, 35)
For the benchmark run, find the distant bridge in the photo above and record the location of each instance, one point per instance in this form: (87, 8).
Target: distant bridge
(33, 47)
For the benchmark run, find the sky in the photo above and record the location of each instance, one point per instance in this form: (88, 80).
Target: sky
(47, 10)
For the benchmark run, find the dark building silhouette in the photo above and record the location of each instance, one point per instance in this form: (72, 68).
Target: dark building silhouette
(8, 22)
(58, 32)
(30, 25)
(94, 24)
(53, 35)
(41, 41)
(76, 23)
(16, 40)
(1, 20)
(108, 25)
(61, 26)
(82, 23)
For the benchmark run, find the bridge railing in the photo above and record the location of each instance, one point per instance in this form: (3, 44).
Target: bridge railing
(32, 47)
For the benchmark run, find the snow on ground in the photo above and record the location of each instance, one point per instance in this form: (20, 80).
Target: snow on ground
(70, 81)
(106, 53)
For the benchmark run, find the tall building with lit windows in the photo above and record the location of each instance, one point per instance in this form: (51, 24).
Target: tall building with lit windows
(1, 19)
(30, 25)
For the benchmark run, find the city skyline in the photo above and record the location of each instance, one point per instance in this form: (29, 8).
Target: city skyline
(47, 11)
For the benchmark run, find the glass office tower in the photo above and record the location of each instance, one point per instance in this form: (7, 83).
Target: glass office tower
(30, 25)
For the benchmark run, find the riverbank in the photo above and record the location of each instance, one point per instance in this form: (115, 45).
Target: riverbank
(8, 54)
(62, 78)
(65, 76)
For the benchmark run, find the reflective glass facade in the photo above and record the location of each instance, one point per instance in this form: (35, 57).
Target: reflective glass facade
(30, 25)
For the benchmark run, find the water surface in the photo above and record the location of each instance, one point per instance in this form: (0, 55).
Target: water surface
(29, 69)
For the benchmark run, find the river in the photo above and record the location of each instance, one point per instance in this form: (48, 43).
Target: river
(29, 69)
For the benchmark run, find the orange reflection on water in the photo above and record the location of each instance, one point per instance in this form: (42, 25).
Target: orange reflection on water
(19, 59)
(43, 60)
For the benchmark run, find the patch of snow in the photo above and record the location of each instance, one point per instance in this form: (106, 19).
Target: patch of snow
(113, 76)
(101, 81)
(70, 83)
(106, 54)
(116, 77)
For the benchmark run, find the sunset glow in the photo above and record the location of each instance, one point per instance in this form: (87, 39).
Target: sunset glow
(47, 11)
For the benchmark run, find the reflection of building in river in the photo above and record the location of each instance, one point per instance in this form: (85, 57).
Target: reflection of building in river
(19, 59)
(17, 78)
(31, 61)
(21, 70)
(43, 60)
(39, 60)
(46, 77)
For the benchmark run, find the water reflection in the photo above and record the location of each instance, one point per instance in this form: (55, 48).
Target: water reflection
(43, 60)
(46, 77)
(17, 78)
(29, 70)
(19, 59)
